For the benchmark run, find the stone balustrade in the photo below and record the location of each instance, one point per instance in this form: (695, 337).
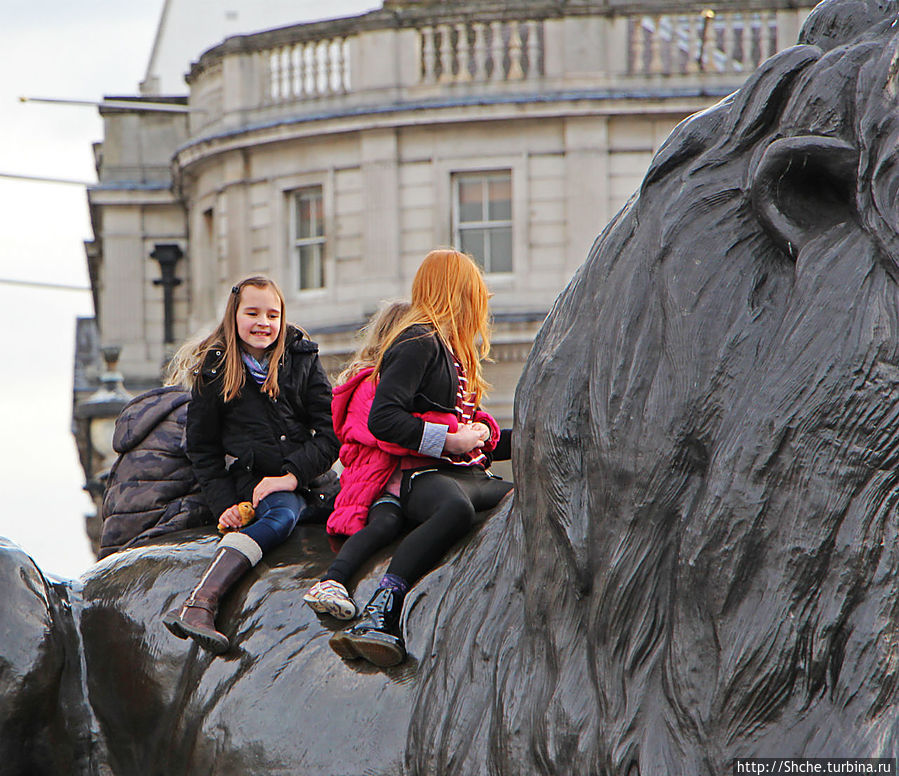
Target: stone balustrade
(475, 51)
(306, 69)
(380, 59)
(709, 42)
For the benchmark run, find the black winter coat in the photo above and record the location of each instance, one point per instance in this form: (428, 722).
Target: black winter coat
(417, 375)
(151, 489)
(261, 437)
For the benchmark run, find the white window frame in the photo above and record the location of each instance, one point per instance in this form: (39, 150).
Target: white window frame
(297, 242)
(486, 225)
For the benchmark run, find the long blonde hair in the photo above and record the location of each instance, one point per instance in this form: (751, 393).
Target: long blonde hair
(379, 326)
(450, 296)
(187, 363)
(182, 368)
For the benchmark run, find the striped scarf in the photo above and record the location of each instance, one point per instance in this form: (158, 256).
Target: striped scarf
(465, 410)
(257, 370)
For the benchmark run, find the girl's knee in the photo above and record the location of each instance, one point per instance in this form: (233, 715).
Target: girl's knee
(388, 528)
(385, 518)
(457, 516)
(280, 511)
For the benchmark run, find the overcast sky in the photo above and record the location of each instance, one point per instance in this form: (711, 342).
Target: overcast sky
(52, 48)
(83, 50)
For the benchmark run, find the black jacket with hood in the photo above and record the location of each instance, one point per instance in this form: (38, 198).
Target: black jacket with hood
(261, 437)
(418, 375)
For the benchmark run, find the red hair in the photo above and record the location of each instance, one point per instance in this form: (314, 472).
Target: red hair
(450, 296)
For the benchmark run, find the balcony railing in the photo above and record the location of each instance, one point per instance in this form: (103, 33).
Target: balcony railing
(482, 51)
(307, 69)
(682, 44)
(351, 64)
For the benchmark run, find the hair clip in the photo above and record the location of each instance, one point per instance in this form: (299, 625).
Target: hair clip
(235, 289)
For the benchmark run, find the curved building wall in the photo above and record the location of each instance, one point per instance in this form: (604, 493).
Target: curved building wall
(334, 155)
(389, 190)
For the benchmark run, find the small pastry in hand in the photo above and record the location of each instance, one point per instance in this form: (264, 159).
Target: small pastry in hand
(247, 513)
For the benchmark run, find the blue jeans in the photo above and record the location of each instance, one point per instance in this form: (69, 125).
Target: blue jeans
(276, 516)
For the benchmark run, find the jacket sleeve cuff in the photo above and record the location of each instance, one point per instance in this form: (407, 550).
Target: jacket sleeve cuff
(433, 439)
(290, 467)
(219, 495)
(488, 420)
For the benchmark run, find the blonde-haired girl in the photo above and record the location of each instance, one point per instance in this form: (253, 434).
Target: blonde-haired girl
(430, 362)
(367, 509)
(259, 394)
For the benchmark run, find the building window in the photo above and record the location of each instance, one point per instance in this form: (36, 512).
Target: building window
(308, 237)
(483, 218)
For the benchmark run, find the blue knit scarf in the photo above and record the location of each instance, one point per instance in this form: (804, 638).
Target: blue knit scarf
(257, 370)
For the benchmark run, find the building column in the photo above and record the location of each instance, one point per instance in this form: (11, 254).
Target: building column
(587, 192)
(379, 154)
(236, 214)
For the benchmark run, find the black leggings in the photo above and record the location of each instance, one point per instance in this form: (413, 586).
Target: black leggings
(442, 506)
(385, 521)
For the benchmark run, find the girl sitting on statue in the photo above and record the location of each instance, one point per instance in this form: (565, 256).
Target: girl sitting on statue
(261, 397)
(367, 509)
(430, 360)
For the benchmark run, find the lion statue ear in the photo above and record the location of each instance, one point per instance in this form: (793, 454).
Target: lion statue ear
(802, 187)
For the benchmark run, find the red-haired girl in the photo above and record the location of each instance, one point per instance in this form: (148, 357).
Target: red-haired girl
(430, 362)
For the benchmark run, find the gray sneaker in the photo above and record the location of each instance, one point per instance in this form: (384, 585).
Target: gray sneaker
(330, 597)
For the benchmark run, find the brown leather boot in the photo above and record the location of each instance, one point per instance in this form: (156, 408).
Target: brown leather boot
(195, 618)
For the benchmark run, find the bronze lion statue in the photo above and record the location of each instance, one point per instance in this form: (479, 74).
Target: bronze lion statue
(699, 561)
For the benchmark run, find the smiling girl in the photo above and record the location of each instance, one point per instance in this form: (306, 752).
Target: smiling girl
(260, 396)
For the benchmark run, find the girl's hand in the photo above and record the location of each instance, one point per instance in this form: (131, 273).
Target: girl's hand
(462, 441)
(482, 428)
(230, 518)
(269, 485)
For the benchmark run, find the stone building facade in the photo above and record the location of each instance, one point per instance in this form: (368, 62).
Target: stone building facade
(333, 155)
